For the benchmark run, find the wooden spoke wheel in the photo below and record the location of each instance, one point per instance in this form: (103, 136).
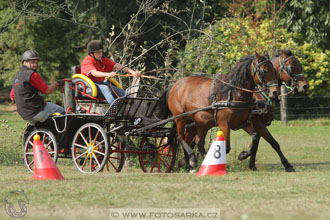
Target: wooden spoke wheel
(48, 140)
(158, 154)
(116, 159)
(90, 148)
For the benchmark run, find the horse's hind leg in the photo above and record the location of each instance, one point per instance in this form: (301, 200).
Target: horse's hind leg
(263, 131)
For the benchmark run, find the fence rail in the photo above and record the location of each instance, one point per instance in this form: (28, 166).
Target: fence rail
(304, 107)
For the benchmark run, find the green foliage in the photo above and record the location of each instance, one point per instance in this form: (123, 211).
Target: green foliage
(147, 34)
(316, 64)
(311, 18)
(60, 30)
(11, 48)
(229, 39)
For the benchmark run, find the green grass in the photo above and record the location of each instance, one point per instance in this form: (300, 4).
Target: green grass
(11, 129)
(269, 193)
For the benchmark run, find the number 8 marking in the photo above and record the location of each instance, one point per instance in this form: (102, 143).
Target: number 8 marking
(217, 153)
(40, 158)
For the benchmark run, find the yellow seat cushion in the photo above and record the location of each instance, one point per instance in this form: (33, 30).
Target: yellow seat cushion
(90, 84)
(87, 81)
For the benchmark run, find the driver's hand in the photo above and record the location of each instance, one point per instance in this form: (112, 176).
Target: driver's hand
(137, 74)
(60, 82)
(112, 74)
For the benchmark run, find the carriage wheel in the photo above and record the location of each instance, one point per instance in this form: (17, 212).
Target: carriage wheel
(90, 148)
(47, 139)
(160, 155)
(116, 160)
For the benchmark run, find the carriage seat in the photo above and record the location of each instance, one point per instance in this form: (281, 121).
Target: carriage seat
(85, 88)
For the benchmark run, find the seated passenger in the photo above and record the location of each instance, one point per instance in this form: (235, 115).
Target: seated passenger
(97, 67)
(26, 85)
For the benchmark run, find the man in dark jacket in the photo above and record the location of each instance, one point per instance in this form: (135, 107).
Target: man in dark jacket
(26, 85)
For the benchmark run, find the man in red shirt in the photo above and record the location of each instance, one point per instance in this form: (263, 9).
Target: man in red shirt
(98, 68)
(26, 85)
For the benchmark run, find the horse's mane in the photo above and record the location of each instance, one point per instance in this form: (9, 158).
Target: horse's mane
(238, 77)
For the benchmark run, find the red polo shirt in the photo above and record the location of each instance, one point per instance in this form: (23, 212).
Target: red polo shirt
(89, 64)
(35, 81)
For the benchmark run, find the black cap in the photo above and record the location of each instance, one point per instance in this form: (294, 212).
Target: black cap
(94, 46)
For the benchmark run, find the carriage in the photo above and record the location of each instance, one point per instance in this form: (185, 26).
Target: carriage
(98, 136)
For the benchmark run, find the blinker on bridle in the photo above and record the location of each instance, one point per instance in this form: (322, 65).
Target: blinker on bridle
(260, 73)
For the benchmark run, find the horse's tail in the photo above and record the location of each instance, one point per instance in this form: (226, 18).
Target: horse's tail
(162, 106)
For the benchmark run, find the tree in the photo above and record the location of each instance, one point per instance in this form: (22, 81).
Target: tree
(231, 38)
(137, 32)
(311, 18)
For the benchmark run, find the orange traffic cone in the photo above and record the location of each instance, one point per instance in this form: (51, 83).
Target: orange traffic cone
(214, 163)
(44, 166)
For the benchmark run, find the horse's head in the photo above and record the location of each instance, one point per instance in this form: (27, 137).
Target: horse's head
(289, 71)
(264, 74)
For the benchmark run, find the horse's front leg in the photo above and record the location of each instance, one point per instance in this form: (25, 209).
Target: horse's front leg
(262, 130)
(250, 130)
(226, 131)
(253, 151)
(181, 123)
(201, 132)
(253, 148)
(190, 135)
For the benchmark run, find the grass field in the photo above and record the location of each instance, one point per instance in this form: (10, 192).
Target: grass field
(269, 193)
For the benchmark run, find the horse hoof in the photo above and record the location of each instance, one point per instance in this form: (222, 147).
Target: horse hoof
(193, 164)
(181, 163)
(290, 169)
(227, 150)
(253, 168)
(193, 161)
(193, 171)
(243, 155)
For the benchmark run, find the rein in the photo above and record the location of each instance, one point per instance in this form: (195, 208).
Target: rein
(288, 93)
(146, 76)
(142, 75)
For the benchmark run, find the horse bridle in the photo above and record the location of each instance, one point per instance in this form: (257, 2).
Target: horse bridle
(260, 73)
(288, 70)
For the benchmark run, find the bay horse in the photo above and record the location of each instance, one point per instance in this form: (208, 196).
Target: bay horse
(289, 71)
(237, 87)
